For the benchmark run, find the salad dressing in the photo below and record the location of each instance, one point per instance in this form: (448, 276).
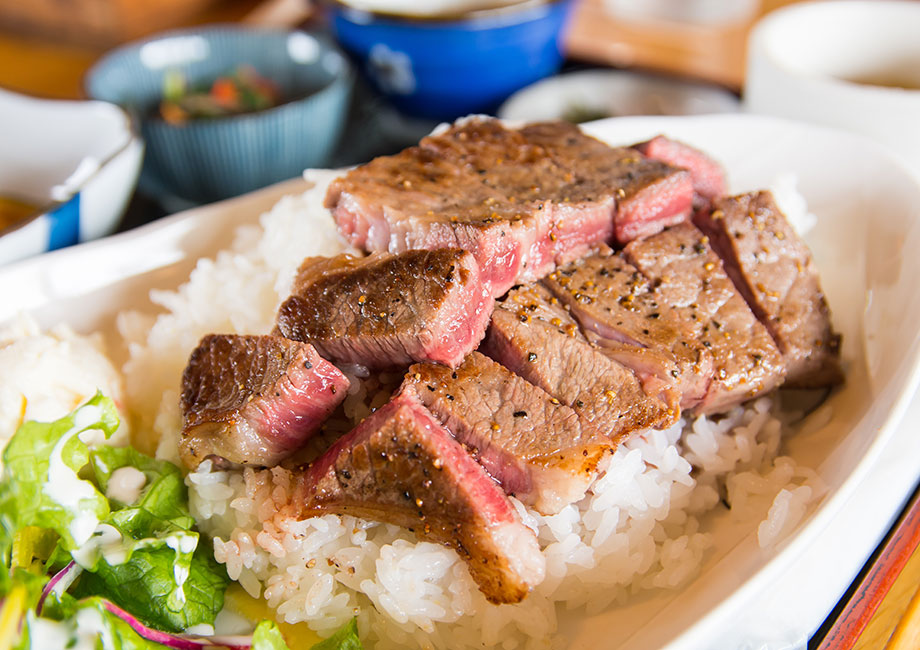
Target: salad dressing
(184, 546)
(45, 633)
(125, 484)
(65, 487)
(91, 628)
(107, 542)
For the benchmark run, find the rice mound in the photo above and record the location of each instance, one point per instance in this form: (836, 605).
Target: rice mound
(641, 525)
(46, 375)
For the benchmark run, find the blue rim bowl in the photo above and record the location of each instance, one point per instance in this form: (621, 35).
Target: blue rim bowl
(443, 68)
(210, 159)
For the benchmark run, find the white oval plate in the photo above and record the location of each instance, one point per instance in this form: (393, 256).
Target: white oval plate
(865, 244)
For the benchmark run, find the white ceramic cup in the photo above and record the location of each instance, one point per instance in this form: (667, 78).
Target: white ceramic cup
(848, 64)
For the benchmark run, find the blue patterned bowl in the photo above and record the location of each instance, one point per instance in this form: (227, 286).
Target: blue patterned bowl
(210, 159)
(445, 67)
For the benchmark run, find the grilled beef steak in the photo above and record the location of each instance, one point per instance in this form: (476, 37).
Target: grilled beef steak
(535, 337)
(401, 466)
(535, 447)
(688, 276)
(707, 175)
(254, 399)
(774, 271)
(521, 200)
(389, 310)
(619, 310)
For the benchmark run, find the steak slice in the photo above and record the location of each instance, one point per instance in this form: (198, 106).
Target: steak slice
(400, 466)
(689, 277)
(521, 200)
(389, 310)
(620, 310)
(532, 335)
(650, 194)
(707, 175)
(535, 447)
(774, 271)
(253, 400)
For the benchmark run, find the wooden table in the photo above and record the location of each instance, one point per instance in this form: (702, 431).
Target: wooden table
(48, 67)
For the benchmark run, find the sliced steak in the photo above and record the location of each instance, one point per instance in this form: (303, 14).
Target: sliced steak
(774, 271)
(389, 310)
(707, 175)
(689, 277)
(521, 200)
(402, 467)
(650, 194)
(536, 448)
(254, 400)
(532, 335)
(619, 309)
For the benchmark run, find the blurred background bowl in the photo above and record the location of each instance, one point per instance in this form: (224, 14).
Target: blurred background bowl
(595, 94)
(444, 66)
(69, 168)
(205, 160)
(848, 64)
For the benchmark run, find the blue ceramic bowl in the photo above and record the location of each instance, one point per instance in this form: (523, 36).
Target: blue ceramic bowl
(209, 159)
(443, 68)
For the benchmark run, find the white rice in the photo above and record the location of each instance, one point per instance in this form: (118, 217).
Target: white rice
(46, 375)
(792, 203)
(641, 526)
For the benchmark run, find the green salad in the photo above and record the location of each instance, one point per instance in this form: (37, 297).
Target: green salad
(101, 552)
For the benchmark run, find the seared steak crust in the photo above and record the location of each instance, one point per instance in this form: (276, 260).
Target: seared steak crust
(535, 447)
(619, 309)
(689, 277)
(402, 467)
(534, 336)
(774, 271)
(254, 399)
(707, 175)
(521, 200)
(389, 310)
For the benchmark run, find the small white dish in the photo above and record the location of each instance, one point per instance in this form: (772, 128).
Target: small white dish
(76, 161)
(594, 94)
(849, 64)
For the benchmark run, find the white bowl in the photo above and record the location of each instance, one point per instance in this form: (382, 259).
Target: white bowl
(77, 161)
(614, 93)
(811, 62)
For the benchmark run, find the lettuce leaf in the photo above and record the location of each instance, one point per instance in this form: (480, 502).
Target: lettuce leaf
(267, 636)
(144, 556)
(163, 501)
(88, 622)
(42, 486)
(345, 639)
(146, 586)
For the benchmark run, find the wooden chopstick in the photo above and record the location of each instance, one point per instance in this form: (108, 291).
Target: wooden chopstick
(883, 569)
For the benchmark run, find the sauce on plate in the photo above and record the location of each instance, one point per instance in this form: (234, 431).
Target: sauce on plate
(12, 211)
